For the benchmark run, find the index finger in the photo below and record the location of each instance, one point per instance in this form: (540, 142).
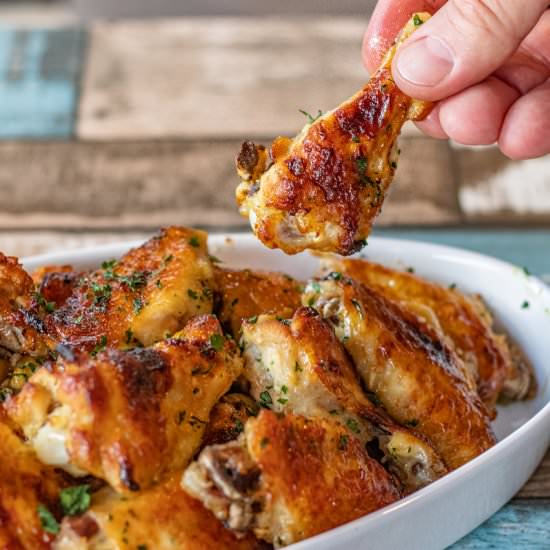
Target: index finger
(387, 20)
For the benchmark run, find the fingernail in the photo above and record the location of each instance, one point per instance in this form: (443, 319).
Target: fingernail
(425, 62)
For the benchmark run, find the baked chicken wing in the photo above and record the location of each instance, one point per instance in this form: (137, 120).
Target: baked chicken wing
(25, 484)
(299, 366)
(400, 358)
(163, 518)
(142, 298)
(128, 416)
(246, 293)
(464, 319)
(324, 188)
(289, 478)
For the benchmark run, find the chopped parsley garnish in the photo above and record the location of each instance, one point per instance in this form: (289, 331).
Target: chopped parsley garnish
(239, 427)
(343, 443)
(49, 307)
(265, 400)
(47, 520)
(194, 242)
(410, 270)
(192, 294)
(310, 118)
(526, 271)
(311, 301)
(214, 260)
(284, 388)
(355, 139)
(282, 401)
(417, 20)
(217, 341)
(168, 258)
(252, 320)
(134, 281)
(129, 336)
(525, 304)
(334, 276)
(452, 286)
(138, 305)
(100, 346)
(353, 425)
(159, 283)
(75, 500)
(102, 293)
(316, 286)
(109, 264)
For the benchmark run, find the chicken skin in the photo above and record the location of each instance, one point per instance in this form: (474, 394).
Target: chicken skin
(144, 297)
(246, 293)
(128, 416)
(324, 188)
(289, 478)
(400, 358)
(163, 518)
(25, 483)
(463, 319)
(299, 366)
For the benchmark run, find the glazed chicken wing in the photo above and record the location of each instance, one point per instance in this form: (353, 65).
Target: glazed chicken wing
(464, 319)
(246, 293)
(128, 416)
(325, 187)
(163, 518)
(416, 377)
(289, 478)
(300, 366)
(25, 483)
(147, 295)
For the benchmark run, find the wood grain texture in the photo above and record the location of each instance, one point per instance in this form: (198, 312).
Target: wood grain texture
(495, 189)
(148, 184)
(217, 77)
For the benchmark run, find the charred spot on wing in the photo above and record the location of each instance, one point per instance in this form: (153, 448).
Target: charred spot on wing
(126, 476)
(247, 157)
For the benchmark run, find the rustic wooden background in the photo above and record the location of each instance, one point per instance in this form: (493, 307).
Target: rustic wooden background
(109, 131)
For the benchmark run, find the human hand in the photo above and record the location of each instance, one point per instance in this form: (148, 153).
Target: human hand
(486, 62)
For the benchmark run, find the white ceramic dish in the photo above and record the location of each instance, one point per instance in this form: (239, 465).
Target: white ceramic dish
(443, 512)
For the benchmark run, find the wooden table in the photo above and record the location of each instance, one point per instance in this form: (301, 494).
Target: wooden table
(107, 133)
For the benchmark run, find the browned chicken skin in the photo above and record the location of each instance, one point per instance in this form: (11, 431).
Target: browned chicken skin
(289, 478)
(246, 293)
(299, 366)
(400, 358)
(128, 416)
(325, 187)
(463, 319)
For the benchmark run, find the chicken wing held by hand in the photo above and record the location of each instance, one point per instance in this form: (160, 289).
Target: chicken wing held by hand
(325, 187)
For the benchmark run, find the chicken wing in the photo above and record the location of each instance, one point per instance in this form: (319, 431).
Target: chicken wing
(325, 187)
(399, 357)
(163, 518)
(299, 366)
(464, 319)
(128, 416)
(25, 483)
(144, 297)
(246, 293)
(289, 478)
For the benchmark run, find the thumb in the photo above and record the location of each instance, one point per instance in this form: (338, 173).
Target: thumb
(462, 44)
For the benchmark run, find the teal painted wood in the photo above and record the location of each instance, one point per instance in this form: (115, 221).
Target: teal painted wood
(528, 248)
(522, 524)
(39, 82)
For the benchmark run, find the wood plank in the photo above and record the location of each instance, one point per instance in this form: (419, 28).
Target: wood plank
(217, 77)
(495, 189)
(539, 484)
(520, 524)
(39, 79)
(148, 184)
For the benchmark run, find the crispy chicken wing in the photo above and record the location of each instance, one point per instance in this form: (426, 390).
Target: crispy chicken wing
(325, 187)
(412, 372)
(163, 518)
(289, 478)
(128, 416)
(25, 483)
(301, 367)
(246, 293)
(464, 319)
(148, 294)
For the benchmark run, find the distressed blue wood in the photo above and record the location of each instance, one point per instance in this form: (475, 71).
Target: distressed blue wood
(39, 82)
(528, 248)
(521, 525)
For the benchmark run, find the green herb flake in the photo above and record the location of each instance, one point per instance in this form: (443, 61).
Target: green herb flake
(214, 259)
(526, 271)
(47, 520)
(410, 269)
(525, 304)
(109, 264)
(100, 346)
(217, 341)
(265, 400)
(252, 320)
(417, 20)
(282, 401)
(239, 427)
(355, 139)
(452, 286)
(310, 118)
(138, 305)
(343, 443)
(316, 287)
(192, 294)
(334, 276)
(311, 301)
(353, 425)
(158, 283)
(129, 335)
(284, 389)
(49, 307)
(75, 500)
